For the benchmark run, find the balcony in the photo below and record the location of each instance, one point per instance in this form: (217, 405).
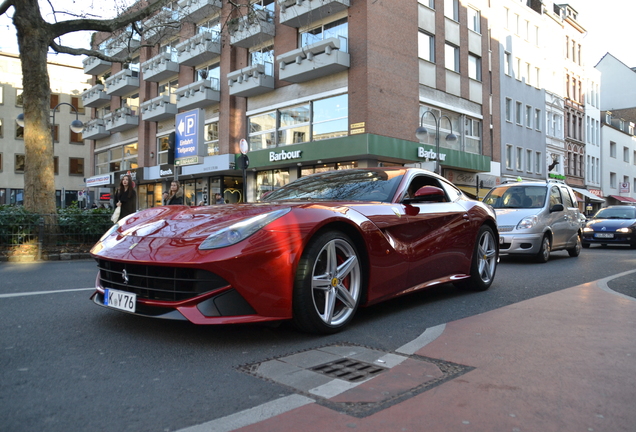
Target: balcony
(196, 10)
(120, 120)
(199, 94)
(164, 23)
(159, 108)
(159, 68)
(199, 49)
(122, 83)
(298, 13)
(95, 66)
(126, 42)
(95, 129)
(252, 29)
(313, 61)
(95, 97)
(252, 80)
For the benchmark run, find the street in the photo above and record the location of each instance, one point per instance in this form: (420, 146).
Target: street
(70, 365)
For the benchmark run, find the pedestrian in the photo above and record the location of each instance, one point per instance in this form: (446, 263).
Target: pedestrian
(218, 199)
(175, 197)
(126, 197)
(164, 198)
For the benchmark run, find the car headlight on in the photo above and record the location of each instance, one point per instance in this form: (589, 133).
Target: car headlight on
(624, 230)
(527, 222)
(588, 229)
(240, 230)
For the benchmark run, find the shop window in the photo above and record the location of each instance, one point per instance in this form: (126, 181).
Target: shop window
(262, 130)
(76, 166)
(294, 125)
(268, 181)
(330, 117)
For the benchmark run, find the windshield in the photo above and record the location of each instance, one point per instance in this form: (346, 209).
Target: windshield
(344, 185)
(616, 213)
(516, 197)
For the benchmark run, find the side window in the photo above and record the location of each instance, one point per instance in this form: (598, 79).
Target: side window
(451, 191)
(555, 196)
(419, 182)
(567, 198)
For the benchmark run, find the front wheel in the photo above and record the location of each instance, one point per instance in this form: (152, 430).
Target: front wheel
(576, 249)
(328, 284)
(544, 252)
(484, 262)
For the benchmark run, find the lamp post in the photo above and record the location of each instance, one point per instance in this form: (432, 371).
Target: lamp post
(421, 133)
(76, 125)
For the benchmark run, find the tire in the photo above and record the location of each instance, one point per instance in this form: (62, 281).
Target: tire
(576, 250)
(484, 262)
(544, 252)
(328, 284)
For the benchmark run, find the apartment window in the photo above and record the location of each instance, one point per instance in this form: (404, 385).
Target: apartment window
(613, 180)
(429, 3)
(77, 103)
(630, 129)
(474, 67)
(526, 30)
(211, 72)
(76, 166)
(537, 119)
(474, 19)
(517, 68)
(507, 17)
(211, 134)
(1, 94)
(508, 156)
(451, 9)
(169, 89)
(612, 149)
(508, 109)
(54, 100)
(519, 159)
(263, 56)
(18, 97)
(526, 73)
(537, 163)
(426, 46)
(519, 113)
(626, 154)
(472, 136)
(536, 35)
(507, 65)
(452, 57)
(634, 160)
(335, 29)
(528, 116)
(212, 26)
(1, 167)
(19, 163)
(529, 160)
(294, 124)
(19, 132)
(330, 117)
(515, 23)
(1, 129)
(76, 138)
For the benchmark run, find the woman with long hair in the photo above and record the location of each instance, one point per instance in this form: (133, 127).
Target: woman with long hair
(175, 196)
(126, 197)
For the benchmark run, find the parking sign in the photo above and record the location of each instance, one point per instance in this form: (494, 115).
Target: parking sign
(189, 145)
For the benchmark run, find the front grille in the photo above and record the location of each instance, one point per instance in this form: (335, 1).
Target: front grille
(158, 282)
(506, 228)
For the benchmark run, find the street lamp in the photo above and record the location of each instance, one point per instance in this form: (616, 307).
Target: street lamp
(76, 125)
(421, 133)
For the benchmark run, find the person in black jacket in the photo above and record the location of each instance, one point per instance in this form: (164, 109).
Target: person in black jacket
(126, 197)
(176, 194)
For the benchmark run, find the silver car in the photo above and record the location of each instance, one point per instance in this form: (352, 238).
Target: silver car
(535, 218)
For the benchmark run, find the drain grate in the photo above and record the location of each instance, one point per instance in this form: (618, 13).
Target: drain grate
(349, 370)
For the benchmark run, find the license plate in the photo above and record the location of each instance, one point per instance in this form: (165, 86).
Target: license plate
(604, 235)
(120, 300)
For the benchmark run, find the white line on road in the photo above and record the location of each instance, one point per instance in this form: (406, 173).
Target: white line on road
(42, 292)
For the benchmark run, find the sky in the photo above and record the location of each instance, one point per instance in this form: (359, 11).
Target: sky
(609, 25)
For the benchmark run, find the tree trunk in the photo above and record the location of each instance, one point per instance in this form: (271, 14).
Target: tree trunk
(34, 40)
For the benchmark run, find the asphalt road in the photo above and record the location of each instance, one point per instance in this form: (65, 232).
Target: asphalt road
(66, 364)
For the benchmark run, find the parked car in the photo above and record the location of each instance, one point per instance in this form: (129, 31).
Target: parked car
(611, 225)
(536, 218)
(312, 252)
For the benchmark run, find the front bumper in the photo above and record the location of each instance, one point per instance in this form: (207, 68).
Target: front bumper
(511, 243)
(618, 238)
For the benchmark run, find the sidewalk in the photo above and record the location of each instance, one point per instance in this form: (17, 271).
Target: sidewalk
(565, 361)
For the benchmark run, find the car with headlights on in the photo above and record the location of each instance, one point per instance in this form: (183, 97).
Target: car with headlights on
(536, 218)
(611, 225)
(311, 252)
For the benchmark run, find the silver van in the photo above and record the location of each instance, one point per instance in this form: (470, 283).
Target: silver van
(535, 218)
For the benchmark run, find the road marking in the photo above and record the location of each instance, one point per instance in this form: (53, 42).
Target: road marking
(429, 335)
(43, 292)
(602, 284)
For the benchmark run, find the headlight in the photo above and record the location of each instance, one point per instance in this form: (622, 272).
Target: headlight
(240, 230)
(624, 230)
(588, 229)
(527, 222)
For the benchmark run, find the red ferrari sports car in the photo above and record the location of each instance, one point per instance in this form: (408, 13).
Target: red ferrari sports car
(311, 252)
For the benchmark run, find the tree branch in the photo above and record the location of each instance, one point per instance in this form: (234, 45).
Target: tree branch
(5, 5)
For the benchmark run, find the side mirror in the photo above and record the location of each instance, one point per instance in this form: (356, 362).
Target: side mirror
(428, 194)
(556, 208)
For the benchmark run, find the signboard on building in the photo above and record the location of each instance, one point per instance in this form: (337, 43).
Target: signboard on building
(624, 187)
(99, 180)
(190, 148)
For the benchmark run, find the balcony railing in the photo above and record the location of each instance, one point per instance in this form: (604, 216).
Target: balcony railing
(165, 23)
(95, 66)
(298, 13)
(120, 120)
(124, 42)
(123, 82)
(199, 49)
(159, 108)
(313, 61)
(199, 94)
(95, 129)
(159, 68)
(252, 29)
(95, 97)
(252, 80)
(196, 10)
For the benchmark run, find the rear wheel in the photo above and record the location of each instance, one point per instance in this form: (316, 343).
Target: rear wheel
(544, 252)
(484, 262)
(576, 249)
(328, 284)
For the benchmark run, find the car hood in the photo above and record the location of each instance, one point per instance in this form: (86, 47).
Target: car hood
(610, 224)
(513, 216)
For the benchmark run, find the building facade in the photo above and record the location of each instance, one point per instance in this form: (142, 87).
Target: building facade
(71, 155)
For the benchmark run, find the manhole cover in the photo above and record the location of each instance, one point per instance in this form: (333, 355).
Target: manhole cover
(348, 370)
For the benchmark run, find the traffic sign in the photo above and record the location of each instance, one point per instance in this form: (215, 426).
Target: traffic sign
(189, 137)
